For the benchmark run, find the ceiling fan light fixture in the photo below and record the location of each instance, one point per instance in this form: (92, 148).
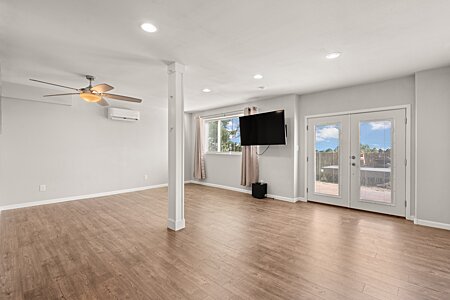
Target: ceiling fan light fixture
(90, 97)
(93, 94)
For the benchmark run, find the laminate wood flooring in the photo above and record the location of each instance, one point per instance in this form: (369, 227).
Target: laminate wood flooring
(233, 247)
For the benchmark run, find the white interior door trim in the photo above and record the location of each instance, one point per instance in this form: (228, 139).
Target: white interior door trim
(407, 107)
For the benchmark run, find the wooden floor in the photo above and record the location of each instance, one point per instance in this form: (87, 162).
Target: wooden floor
(233, 246)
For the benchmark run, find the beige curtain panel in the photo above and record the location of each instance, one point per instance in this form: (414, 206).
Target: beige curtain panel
(250, 165)
(199, 161)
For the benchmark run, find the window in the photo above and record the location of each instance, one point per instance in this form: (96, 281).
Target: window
(223, 135)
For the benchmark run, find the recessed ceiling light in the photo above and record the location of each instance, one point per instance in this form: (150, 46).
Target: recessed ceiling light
(333, 55)
(258, 76)
(149, 27)
(206, 91)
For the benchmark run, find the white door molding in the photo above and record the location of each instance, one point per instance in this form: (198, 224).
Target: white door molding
(407, 107)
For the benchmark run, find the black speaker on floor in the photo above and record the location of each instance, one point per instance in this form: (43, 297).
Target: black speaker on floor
(259, 190)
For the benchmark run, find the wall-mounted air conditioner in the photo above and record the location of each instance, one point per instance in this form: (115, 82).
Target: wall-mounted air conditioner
(123, 114)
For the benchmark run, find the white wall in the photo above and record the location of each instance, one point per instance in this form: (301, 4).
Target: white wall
(433, 146)
(276, 165)
(388, 93)
(75, 150)
(284, 167)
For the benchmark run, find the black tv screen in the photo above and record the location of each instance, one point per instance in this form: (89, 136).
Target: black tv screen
(263, 129)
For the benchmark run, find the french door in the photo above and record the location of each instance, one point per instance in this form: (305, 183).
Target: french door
(358, 161)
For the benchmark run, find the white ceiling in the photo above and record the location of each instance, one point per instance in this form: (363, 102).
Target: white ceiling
(223, 43)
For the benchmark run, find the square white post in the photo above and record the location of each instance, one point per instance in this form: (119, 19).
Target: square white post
(176, 147)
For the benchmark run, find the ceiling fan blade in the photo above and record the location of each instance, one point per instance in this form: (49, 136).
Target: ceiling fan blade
(55, 95)
(103, 102)
(63, 86)
(101, 88)
(120, 97)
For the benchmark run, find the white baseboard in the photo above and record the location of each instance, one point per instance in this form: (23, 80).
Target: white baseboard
(219, 186)
(432, 224)
(241, 190)
(103, 194)
(81, 197)
(410, 217)
(281, 198)
(300, 199)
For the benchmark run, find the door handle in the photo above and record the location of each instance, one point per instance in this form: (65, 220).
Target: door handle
(353, 164)
(353, 157)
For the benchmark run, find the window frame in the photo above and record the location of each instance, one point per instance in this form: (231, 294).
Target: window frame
(206, 132)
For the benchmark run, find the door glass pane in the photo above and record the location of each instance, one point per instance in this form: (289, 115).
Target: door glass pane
(375, 139)
(327, 159)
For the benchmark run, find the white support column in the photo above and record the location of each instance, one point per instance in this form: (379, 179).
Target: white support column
(176, 147)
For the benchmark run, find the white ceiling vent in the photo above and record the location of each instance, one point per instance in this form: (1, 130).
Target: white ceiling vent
(123, 114)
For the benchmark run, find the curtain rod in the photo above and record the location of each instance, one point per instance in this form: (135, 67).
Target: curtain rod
(229, 113)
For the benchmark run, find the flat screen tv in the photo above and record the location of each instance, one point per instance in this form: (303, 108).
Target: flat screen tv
(263, 129)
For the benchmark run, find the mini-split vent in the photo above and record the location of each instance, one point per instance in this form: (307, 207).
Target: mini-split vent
(121, 114)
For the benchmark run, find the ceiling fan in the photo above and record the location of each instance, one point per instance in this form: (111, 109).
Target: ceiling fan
(95, 93)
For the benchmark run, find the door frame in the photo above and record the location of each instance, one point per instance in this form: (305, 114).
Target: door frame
(407, 108)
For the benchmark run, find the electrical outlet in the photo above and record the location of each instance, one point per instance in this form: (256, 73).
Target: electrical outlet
(42, 188)
(145, 177)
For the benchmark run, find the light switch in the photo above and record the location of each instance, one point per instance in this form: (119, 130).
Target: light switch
(42, 188)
